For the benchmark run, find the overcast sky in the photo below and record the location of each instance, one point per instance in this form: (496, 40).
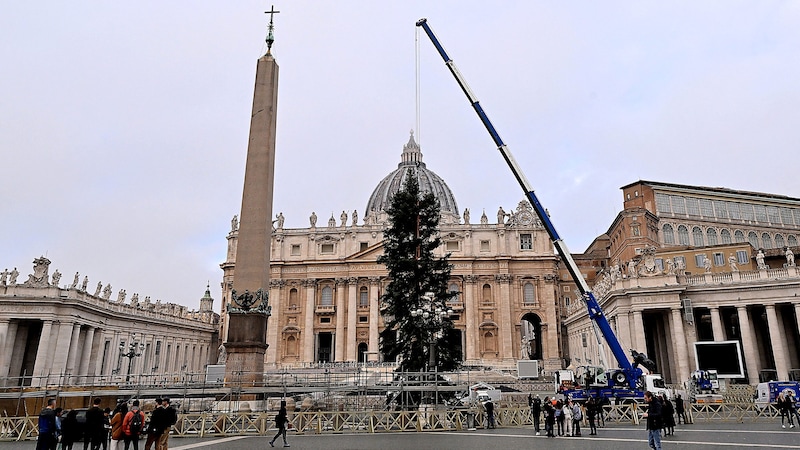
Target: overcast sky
(124, 125)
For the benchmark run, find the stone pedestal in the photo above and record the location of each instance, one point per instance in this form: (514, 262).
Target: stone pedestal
(246, 347)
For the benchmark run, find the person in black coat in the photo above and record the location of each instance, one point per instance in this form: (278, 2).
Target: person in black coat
(281, 420)
(668, 412)
(95, 427)
(679, 409)
(70, 430)
(654, 420)
(549, 417)
(536, 412)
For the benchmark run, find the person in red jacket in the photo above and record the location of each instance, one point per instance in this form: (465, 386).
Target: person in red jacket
(132, 426)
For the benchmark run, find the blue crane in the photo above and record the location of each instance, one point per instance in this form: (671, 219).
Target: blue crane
(628, 374)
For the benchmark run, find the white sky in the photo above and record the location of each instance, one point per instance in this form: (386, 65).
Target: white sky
(123, 125)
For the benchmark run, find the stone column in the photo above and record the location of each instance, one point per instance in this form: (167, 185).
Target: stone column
(679, 343)
(341, 318)
(638, 337)
(778, 347)
(62, 347)
(748, 343)
(470, 312)
(73, 350)
(308, 326)
(506, 327)
(374, 315)
(716, 324)
(276, 300)
(42, 354)
(352, 318)
(86, 353)
(624, 330)
(8, 334)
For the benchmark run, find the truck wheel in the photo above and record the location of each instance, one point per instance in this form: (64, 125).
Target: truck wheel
(619, 377)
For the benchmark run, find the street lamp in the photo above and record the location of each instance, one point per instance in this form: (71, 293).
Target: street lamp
(433, 317)
(134, 350)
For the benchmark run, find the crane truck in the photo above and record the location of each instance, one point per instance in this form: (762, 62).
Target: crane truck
(628, 381)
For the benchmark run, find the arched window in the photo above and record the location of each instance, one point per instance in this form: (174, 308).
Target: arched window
(528, 294)
(711, 236)
(487, 294)
(767, 240)
(683, 235)
(725, 235)
(738, 237)
(327, 296)
(363, 296)
(697, 236)
(752, 238)
(792, 241)
(293, 298)
(669, 234)
(779, 243)
(453, 287)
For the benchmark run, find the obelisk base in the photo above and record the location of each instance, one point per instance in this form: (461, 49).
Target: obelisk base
(244, 365)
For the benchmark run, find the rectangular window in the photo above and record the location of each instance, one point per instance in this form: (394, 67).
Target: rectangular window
(295, 249)
(363, 319)
(566, 288)
(660, 263)
(719, 259)
(485, 246)
(721, 209)
(326, 248)
(106, 346)
(662, 204)
(525, 242)
(706, 208)
(786, 216)
(157, 356)
(772, 214)
(699, 260)
(451, 246)
(741, 257)
(363, 246)
(747, 211)
(760, 213)
(678, 204)
(324, 320)
(119, 357)
(734, 210)
(796, 216)
(692, 206)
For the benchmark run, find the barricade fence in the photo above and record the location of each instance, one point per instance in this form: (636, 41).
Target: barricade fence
(209, 424)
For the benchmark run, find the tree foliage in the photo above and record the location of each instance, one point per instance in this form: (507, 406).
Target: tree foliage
(414, 270)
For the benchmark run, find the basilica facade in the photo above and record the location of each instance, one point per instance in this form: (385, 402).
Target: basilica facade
(325, 283)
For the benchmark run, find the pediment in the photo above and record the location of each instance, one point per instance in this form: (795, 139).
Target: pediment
(371, 253)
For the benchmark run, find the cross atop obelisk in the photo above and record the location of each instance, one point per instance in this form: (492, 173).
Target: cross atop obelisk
(270, 36)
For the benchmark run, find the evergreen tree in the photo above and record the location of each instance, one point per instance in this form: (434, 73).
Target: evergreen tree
(414, 271)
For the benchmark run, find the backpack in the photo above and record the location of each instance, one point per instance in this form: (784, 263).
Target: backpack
(136, 423)
(577, 415)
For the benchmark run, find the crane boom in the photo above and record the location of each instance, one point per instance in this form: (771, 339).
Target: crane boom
(631, 371)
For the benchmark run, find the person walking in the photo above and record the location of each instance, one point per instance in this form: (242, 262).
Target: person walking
(47, 427)
(668, 412)
(95, 430)
(70, 430)
(536, 412)
(156, 426)
(132, 426)
(791, 403)
(654, 420)
(679, 409)
(280, 421)
(117, 434)
(591, 412)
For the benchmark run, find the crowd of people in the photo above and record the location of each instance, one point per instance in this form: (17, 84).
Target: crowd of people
(106, 429)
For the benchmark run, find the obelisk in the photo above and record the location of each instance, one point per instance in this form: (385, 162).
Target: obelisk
(248, 310)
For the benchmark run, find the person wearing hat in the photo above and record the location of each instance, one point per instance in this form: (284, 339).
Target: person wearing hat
(156, 425)
(170, 418)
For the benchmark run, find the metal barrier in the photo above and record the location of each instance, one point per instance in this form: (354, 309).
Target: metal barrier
(322, 422)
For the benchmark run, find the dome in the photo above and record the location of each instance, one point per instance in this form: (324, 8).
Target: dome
(411, 158)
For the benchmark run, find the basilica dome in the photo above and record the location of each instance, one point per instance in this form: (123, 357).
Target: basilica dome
(411, 158)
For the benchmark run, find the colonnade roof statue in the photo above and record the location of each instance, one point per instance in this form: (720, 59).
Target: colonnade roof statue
(428, 182)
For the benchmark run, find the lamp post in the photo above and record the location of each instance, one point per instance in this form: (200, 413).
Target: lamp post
(134, 350)
(433, 317)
